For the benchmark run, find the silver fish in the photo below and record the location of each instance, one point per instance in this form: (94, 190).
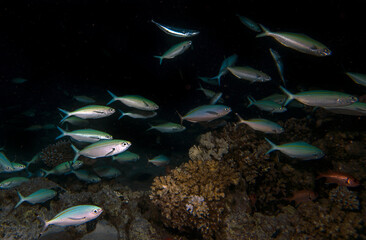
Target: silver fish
(40, 196)
(84, 99)
(86, 176)
(12, 182)
(266, 105)
(249, 73)
(126, 156)
(176, 32)
(139, 114)
(249, 23)
(262, 125)
(135, 101)
(107, 171)
(358, 78)
(168, 127)
(74, 216)
(277, 58)
(297, 41)
(175, 51)
(206, 113)
(103, 148)
(85, 135)
(89, 112)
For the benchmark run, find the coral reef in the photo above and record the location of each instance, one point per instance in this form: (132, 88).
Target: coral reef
(55, 154)
(192, 197)
(345, 198)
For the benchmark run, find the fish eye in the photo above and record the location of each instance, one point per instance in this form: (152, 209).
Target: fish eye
(95, 211)
(111, 109)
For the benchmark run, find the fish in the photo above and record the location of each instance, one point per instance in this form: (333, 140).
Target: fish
(5, 164)
(355, 109)
(34, 159)
(297, 41)
(12, 182)
(175, 50)
(85, 175)
(63, 168)
(74, 216)
(76, 121)
(249, 23)
(160, 160)
(249, 73)
(103, 148)
(168, 127)
(126, 156)
(32, 128)
(85, 135)
(208, 93)
(216, 98)
(301, 150)
(206, 113)
(89, 112)
(135, 101)
(212, 81)
(342, 179)
(18, 167)
(303, 196)
(358, 78)
(84, 99)
(262, 125)
(228, 62)
(19, 80)
(138, 114)
(320, 98)
(266, 105)
(107, 171)
(176, 32)
(40, 196)
(277, 58)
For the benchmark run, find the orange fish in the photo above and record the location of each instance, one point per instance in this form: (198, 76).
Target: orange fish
(303, 196)
(342, 179)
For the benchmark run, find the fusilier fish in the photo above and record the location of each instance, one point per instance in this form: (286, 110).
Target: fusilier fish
(76, 121)
(63, 168)
(160, 160)
(18, 167)
(135, 101)
(249, 73)
(107, 171)
(297, 41)
(12, 182)
(262, 125)
(139, 114)
(211, 81)
(358, 78)
(321, 98)
(168, 127)
(277, 58)
(5, 164)
(228, 62)
(249, 23)
(267, 105)
(176, 32)
(126, 156)
(216, 98)
(84, 99)
(85, 175)
(206, 113)
(103, 148)
(355, 109)
(74, 216)
(40, 196)
(89, 112)
(85, 135)
(175, 51)
(301, 150)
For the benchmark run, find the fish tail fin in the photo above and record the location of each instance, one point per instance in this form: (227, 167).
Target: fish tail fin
(114, 97)
(67, 114)
(200, 88)
(21, 199)
(151, 127)
(265, 32)
(290, 96)
(181, 118)
(273, 146)
(45, 225)
(77, 153)
(251, 101)
(159, 57)
(122, 114)
(46, 173)
(62, 133)
(241, 120)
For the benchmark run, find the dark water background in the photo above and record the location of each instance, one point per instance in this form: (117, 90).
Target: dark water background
(68, 48)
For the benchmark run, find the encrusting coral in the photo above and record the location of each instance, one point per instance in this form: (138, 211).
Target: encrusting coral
(55, 154)
(345, 198)
(192, 196)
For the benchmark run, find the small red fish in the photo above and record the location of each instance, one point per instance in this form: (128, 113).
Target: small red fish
(303, 196)
(342, 179)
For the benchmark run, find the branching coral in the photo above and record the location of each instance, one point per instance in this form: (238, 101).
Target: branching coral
(192, 196)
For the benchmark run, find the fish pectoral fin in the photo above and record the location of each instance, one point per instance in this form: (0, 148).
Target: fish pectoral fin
(145, 103)
(94, 137)
(212, 112)
(98, 112)
(110, 151)
(313, 47)
(77, 219)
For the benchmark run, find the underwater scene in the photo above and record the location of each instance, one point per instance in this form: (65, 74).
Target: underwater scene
(182, 120)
